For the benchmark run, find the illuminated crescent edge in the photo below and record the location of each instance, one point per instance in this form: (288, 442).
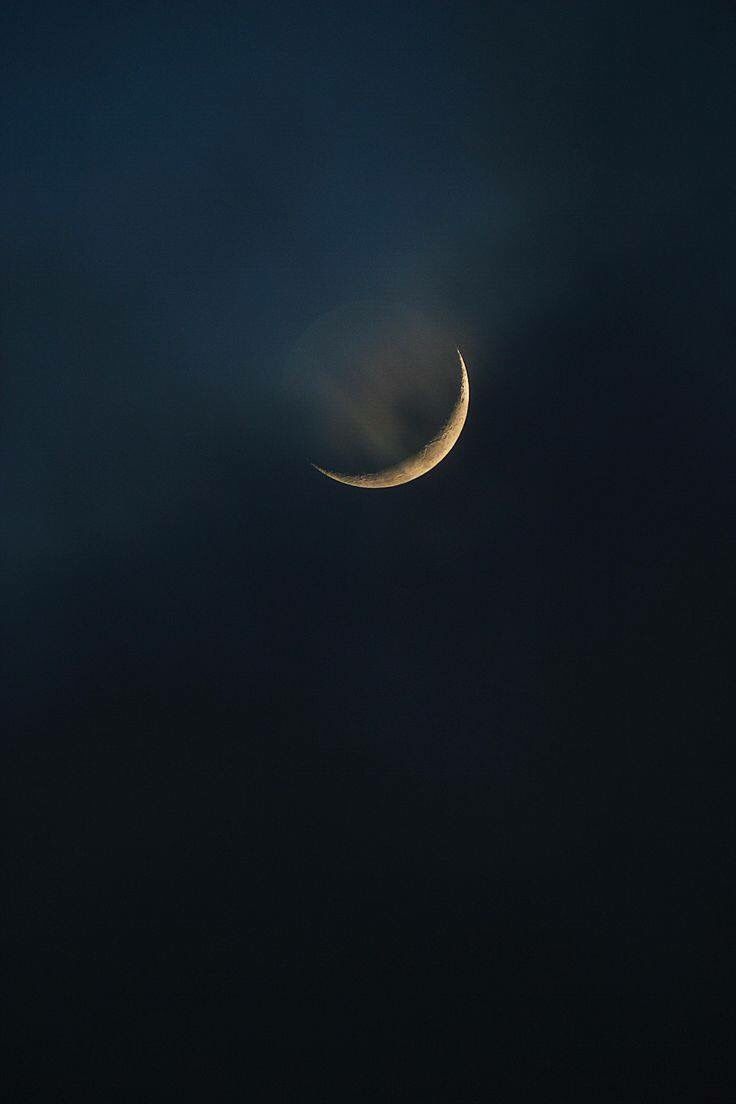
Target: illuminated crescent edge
(419, 463)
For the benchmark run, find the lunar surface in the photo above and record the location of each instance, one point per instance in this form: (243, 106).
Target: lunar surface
(419, 463)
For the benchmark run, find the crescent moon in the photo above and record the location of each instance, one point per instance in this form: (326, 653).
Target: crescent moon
(428, 457)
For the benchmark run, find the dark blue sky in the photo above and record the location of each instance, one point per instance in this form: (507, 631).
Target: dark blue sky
(430, 783)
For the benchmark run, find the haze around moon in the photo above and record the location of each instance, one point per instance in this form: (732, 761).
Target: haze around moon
(422, 461)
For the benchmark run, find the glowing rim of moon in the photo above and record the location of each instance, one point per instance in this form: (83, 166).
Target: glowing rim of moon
(419, 463)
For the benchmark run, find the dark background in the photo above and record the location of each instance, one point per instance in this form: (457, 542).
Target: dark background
(313, 792)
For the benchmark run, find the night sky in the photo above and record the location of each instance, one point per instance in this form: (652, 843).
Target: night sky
(312, 792)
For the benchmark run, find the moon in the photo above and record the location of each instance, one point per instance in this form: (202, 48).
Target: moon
(419, 463)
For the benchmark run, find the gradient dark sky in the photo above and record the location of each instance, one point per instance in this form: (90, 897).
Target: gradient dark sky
(416, 794)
